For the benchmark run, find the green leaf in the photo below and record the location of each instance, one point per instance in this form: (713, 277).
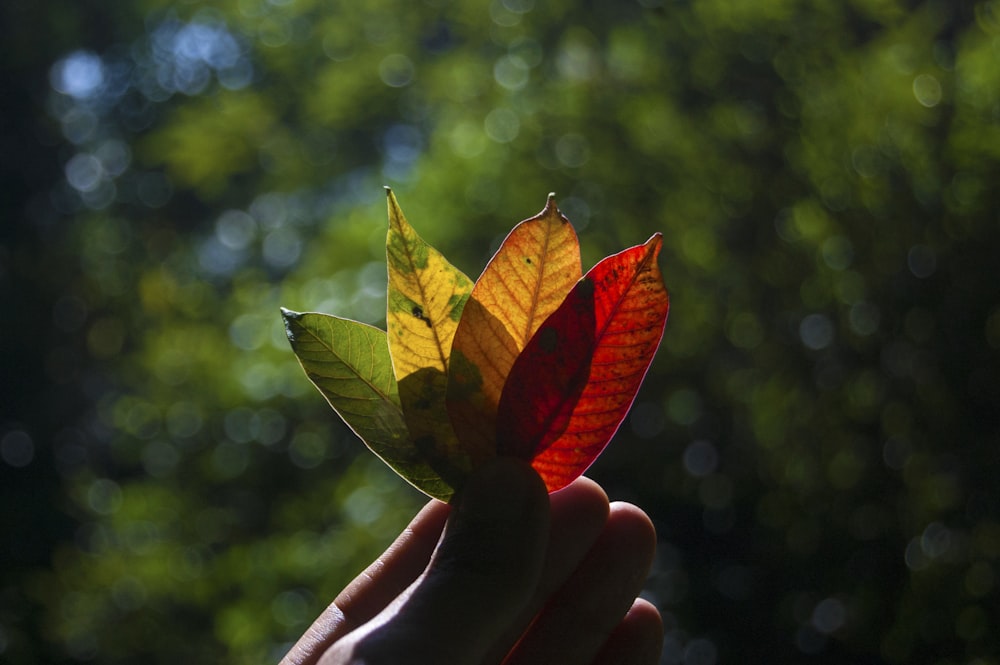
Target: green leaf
(349, 363)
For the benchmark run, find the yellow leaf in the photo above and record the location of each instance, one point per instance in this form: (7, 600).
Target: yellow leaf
(426, 296)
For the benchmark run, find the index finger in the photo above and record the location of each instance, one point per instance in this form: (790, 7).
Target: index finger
(376, 586)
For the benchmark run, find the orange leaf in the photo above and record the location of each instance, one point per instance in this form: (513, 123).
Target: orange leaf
(525, 281)
(569, 390)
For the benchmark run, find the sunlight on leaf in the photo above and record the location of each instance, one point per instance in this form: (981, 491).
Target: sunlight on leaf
(534, 362)
(525, 281)
(426, 295)
(570, 388)
(349, 364)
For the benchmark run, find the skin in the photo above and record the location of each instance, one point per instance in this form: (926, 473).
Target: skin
(506, 575)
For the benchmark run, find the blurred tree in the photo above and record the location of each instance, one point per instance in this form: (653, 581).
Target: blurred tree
(816, 440)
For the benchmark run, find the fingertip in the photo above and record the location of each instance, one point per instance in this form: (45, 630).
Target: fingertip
(643, 617)
(582, 490)
(583, 482)
(632, 523)
(638, 638)
(583, 501)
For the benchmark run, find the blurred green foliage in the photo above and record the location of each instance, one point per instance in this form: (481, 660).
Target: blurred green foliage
(816, 441)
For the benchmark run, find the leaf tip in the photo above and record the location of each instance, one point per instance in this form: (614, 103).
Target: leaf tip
(395, 214)
(551, 211)
(654, 243)
(288, 316)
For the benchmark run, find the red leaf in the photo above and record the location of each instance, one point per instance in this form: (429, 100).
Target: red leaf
(571, 387)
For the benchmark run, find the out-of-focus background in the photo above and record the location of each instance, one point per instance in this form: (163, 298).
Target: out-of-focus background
(817, 440)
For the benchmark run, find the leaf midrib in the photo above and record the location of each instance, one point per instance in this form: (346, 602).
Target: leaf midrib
(533, 307)
(420, 286)
(346, 363)
(598, 336)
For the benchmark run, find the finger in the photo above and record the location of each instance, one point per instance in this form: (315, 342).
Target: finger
(578, 513)
(375, 587)
(480, 578)
(402, 563)
(637, 640)
(577, 621)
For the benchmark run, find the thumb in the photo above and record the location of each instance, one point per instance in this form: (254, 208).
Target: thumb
(485, 570)
(497, 534)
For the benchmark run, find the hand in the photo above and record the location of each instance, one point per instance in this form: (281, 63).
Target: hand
(515, 578)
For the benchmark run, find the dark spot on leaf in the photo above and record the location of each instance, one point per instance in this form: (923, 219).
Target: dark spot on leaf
(527, 260)
(418, 312)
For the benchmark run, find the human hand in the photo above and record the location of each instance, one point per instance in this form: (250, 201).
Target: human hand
(516, 577)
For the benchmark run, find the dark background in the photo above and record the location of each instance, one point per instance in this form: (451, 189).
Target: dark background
(817, 440)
